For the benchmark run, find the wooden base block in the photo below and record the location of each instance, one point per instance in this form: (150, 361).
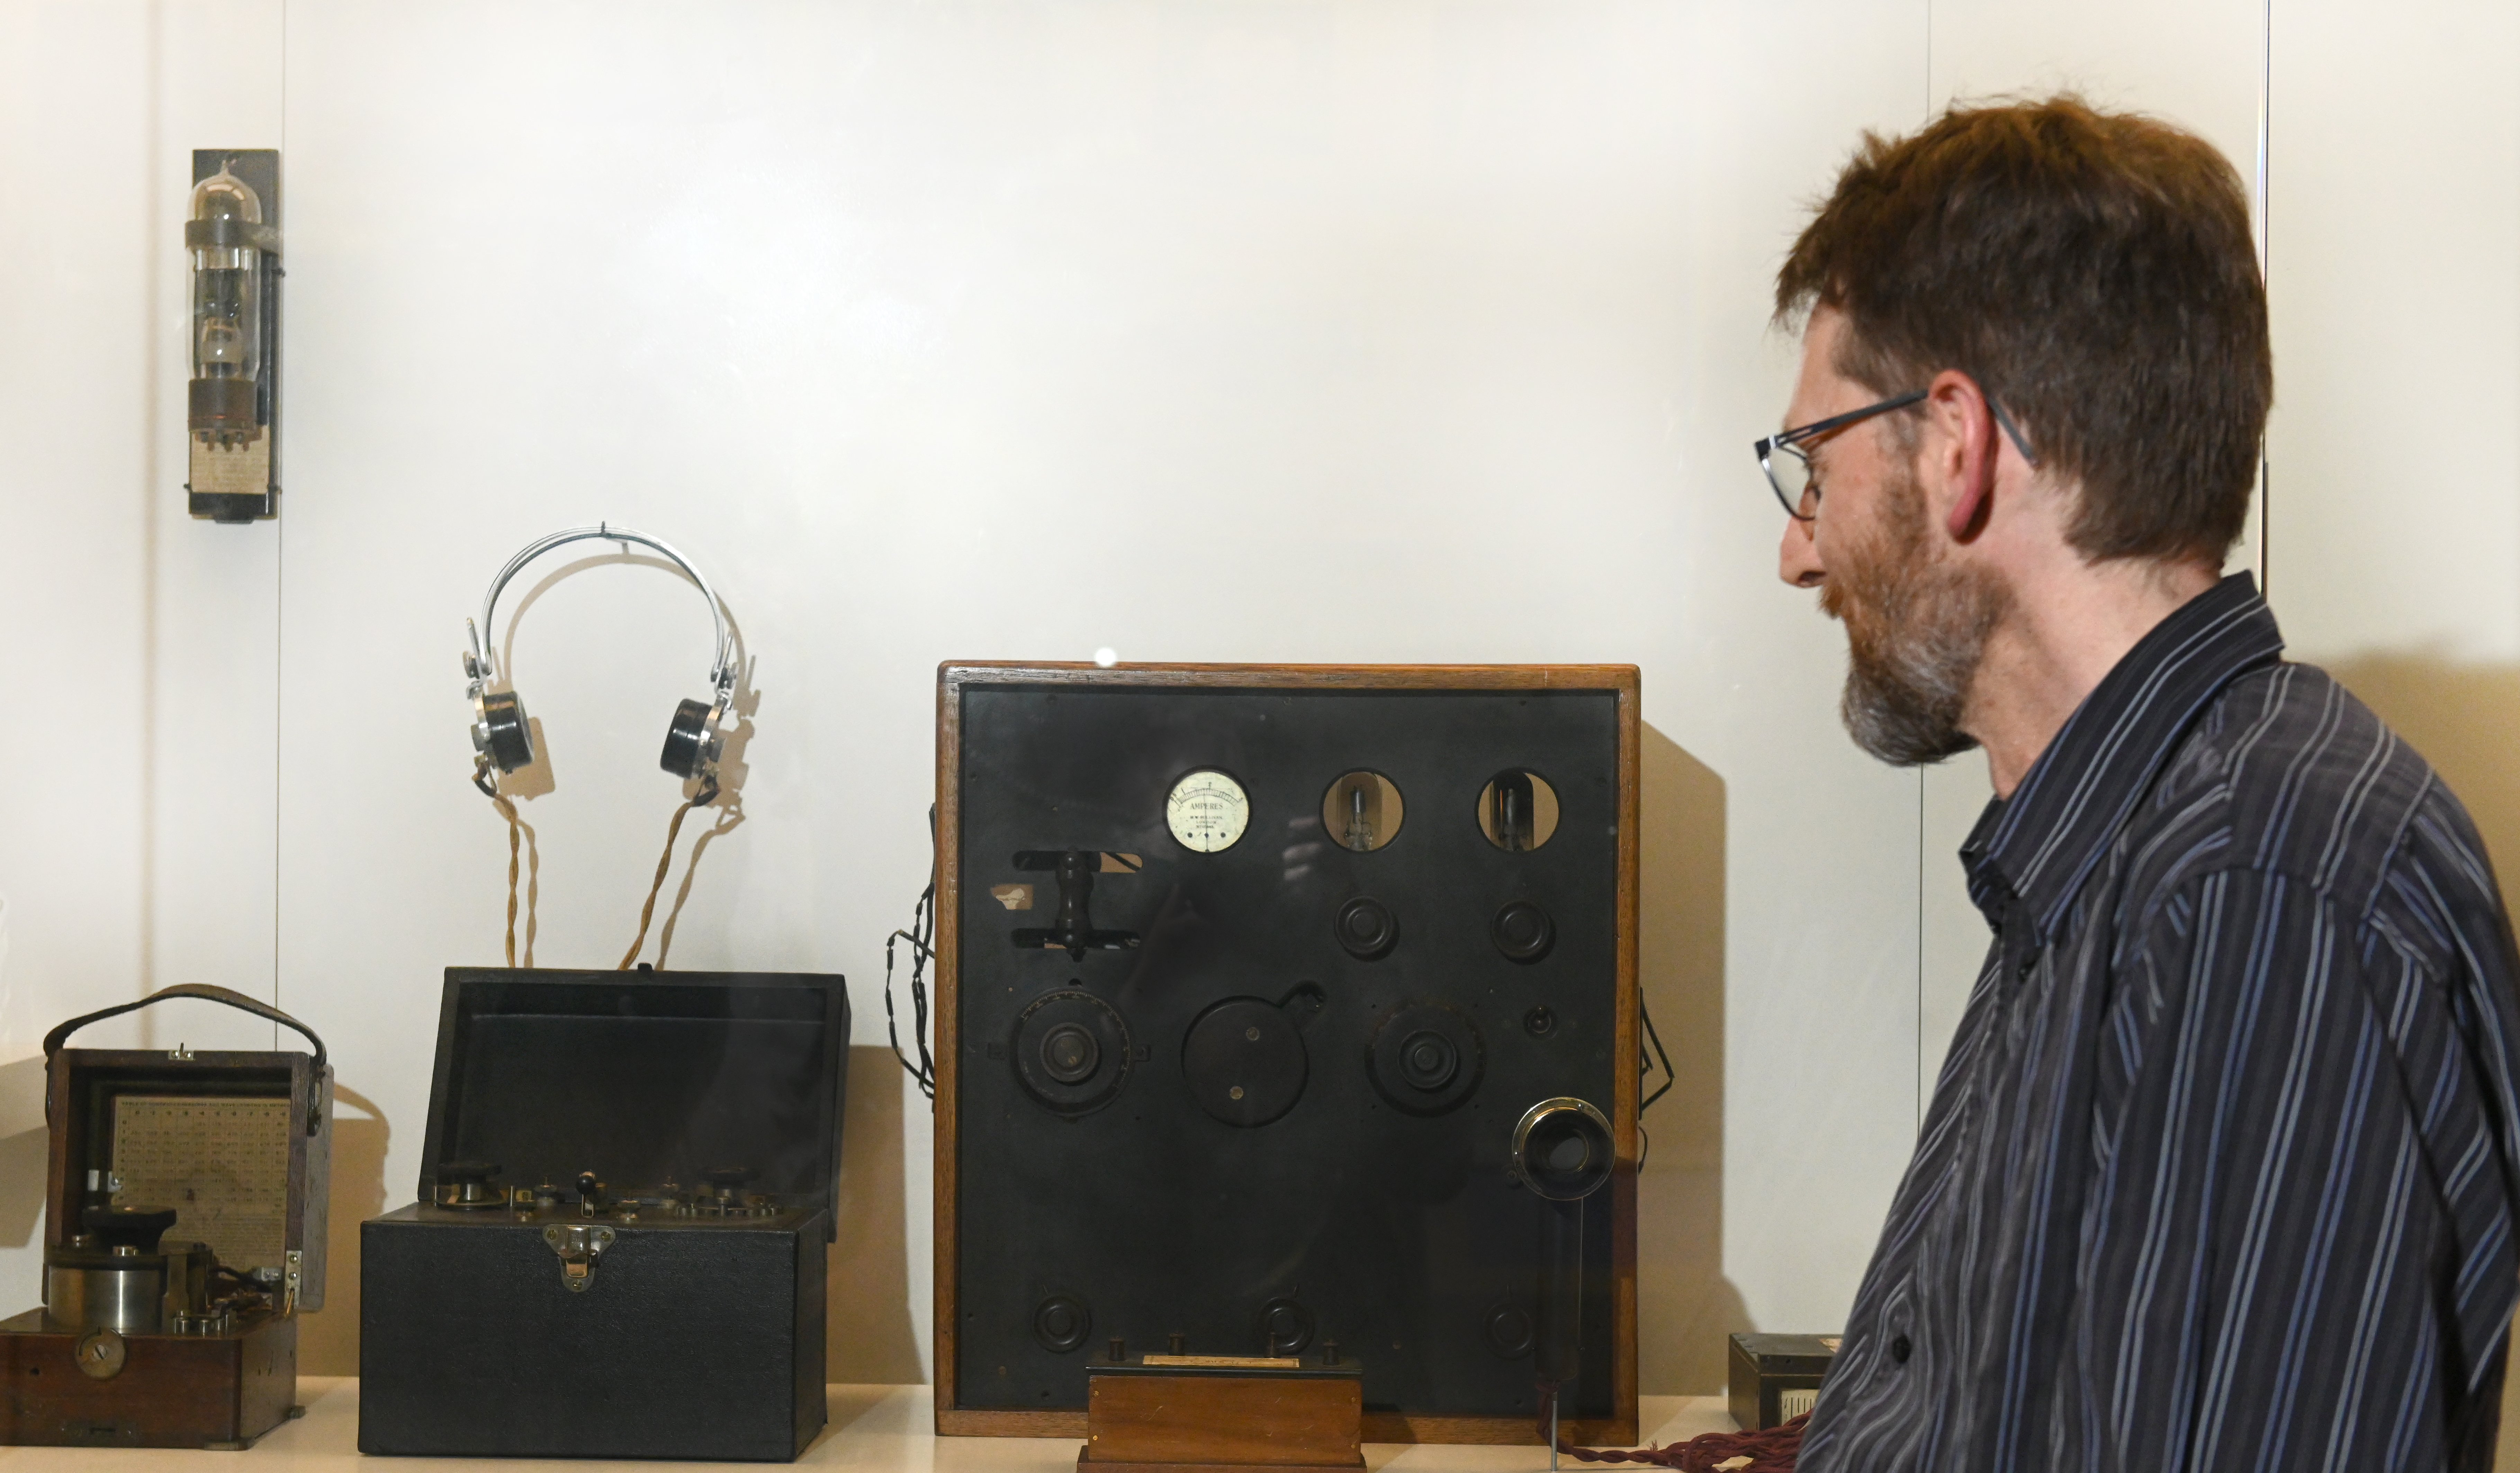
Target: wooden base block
(1153, 1418)
(1087, 1462)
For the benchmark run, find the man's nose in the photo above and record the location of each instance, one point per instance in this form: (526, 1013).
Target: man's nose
(1798, 554)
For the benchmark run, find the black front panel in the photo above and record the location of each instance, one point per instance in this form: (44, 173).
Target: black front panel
(689, 1342)
(1256, 1113)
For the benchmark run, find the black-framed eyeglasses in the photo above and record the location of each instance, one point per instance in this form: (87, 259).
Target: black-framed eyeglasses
(1789, 467)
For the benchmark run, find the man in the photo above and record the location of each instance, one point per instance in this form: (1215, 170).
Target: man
(2221, 1169)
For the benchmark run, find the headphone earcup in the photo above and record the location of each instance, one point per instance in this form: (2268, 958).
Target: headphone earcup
(687, 740)
(504, 733)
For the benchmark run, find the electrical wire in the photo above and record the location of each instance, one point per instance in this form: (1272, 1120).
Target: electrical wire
(922, 937)
(509, 809)
(1768, 1449)
(665, 863)
(1645, 1062)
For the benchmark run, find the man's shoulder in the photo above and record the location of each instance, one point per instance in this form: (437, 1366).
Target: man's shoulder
(2306, 781)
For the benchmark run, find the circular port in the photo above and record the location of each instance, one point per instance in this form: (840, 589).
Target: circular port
(1517, 810)
(1361, 811)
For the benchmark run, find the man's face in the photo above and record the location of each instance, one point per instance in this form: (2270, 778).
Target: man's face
(1917, 618)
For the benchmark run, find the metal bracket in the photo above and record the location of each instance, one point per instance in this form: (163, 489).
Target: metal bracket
(295, 1261)
(578, 1246)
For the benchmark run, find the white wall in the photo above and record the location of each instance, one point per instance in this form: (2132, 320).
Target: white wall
(1384, 330)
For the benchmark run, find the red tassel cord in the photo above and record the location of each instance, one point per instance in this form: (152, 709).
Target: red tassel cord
(1770, 1450)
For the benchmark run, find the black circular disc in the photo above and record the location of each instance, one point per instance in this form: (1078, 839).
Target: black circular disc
(1427, 1057)
(1244, 1060)
(1524, 931)
(1070, 1052)
(684, 739)
(1062, 1323)
(1285, 1328)
(1509, 1331)
(1366, 928)
(512, 740)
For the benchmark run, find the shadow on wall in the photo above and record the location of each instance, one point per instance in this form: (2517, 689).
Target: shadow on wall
(2460, 718)
(1684, 1305)
(25, 1150)
(327, 1340)
(870, 1336)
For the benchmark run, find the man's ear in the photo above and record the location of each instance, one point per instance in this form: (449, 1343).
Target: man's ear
(1966, 451)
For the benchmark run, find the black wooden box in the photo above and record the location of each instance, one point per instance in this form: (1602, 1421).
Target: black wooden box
(626, 1196)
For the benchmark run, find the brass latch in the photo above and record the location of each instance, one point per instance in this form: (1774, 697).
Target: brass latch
(578, 1245)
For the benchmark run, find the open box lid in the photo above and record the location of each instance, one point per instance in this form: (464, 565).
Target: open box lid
(642, 1077)
(239, 1142)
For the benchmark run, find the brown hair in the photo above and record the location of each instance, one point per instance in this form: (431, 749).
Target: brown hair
(2094, 273)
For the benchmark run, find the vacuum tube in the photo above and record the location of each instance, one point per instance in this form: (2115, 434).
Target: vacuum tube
(226, 236)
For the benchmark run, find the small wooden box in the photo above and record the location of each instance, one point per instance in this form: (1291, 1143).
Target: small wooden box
(1203, 1413)
(1766, 1366)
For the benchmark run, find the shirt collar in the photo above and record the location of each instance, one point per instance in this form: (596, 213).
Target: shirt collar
(2037, 846)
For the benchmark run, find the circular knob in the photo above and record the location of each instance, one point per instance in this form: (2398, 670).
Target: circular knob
(1062, 1323)
(1286, 1326)
(1366, 928)
(1069, 1053)
(1428, 1060)
(1522, 931)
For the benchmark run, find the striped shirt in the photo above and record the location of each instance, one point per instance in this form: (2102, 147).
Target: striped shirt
(2221, 1169)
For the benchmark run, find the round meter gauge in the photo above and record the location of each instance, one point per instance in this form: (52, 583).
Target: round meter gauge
(1207, 811)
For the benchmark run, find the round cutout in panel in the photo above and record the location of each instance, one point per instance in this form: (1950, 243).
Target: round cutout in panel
(1361, 811)
(1070, 1052)
(1207, 811)
(1517, 810)
(1246, 1062)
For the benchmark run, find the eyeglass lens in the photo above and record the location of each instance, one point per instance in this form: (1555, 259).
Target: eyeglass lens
(1791, 477)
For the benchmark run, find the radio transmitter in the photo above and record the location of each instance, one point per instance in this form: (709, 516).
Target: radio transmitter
(1247, 976)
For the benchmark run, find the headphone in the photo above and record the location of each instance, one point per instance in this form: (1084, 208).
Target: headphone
(503, 740)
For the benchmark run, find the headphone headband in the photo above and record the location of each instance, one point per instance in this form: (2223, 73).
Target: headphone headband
(483, 665)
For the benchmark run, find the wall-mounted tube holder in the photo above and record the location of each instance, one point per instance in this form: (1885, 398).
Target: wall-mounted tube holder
(232, 233)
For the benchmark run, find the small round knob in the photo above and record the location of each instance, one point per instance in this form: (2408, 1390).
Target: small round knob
(1522, 931)
(1069, 1053)
(1366, 928)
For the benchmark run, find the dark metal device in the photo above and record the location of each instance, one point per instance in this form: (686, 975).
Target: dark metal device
(1248, 1084)
(184, 1229)
(627, 1192)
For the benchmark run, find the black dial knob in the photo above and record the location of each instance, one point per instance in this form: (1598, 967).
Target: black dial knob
(1366, 928)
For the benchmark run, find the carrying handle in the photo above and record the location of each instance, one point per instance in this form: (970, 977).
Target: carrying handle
(54, 1040)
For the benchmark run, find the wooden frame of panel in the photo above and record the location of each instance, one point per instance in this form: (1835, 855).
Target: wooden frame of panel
(952, 677)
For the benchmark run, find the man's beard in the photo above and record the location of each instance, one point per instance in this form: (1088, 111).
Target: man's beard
(1916, 627)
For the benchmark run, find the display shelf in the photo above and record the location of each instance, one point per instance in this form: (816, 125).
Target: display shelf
(875, 1427)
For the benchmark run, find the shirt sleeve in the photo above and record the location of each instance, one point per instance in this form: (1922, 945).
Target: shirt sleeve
(2271, 1259)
